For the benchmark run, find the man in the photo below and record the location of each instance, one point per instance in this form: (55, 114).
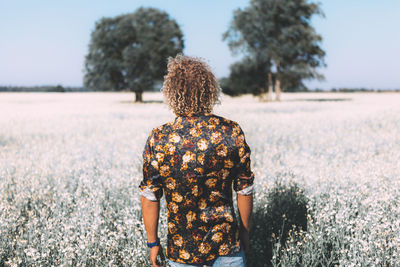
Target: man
(195, 161)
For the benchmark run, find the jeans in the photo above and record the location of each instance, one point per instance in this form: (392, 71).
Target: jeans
(235, 260)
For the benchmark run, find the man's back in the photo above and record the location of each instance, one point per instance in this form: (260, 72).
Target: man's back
(194, 161)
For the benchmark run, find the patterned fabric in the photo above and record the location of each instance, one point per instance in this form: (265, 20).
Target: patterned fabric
(195, 161)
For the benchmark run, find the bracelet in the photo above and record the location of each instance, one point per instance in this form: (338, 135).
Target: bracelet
(157, 243)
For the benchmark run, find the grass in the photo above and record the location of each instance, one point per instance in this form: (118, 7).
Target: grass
(70, 165)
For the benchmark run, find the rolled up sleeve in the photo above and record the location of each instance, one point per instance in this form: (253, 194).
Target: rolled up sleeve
(151, 185)
(244, 177)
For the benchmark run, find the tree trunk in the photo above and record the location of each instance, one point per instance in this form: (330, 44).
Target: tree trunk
(262, 94)
(267, 95)
(278, 83)
(270, 89)
(277, 89)
(139, 96)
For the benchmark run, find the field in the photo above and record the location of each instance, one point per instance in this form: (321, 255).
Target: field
(70, 165)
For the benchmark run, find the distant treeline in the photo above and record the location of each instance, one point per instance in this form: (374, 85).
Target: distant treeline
(61, 89)
(45, 88)
(353, 90)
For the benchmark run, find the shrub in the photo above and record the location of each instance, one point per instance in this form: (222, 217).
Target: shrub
(286, 210)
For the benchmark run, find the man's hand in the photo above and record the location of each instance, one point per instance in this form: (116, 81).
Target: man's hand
(154, 252)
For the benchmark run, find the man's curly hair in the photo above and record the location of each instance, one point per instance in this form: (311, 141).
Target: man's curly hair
(190, 87)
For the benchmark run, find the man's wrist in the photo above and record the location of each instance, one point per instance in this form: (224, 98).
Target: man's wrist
(154, 244)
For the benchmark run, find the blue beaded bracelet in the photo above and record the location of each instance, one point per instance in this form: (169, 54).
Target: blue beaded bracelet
(157, 243)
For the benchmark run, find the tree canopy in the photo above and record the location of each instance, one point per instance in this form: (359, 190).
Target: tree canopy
(130, 51)
(246, 76)
(277, 34)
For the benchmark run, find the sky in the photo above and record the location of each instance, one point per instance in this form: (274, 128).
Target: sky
(44, 42)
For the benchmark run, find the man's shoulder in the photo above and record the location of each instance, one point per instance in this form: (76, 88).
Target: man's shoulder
(162, 129)
(226, 121)
(233, 125)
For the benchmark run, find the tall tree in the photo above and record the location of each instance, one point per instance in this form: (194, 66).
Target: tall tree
(278, 35)
(130, 51)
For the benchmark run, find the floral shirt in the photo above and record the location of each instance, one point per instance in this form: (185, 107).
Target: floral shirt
(194, 161)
